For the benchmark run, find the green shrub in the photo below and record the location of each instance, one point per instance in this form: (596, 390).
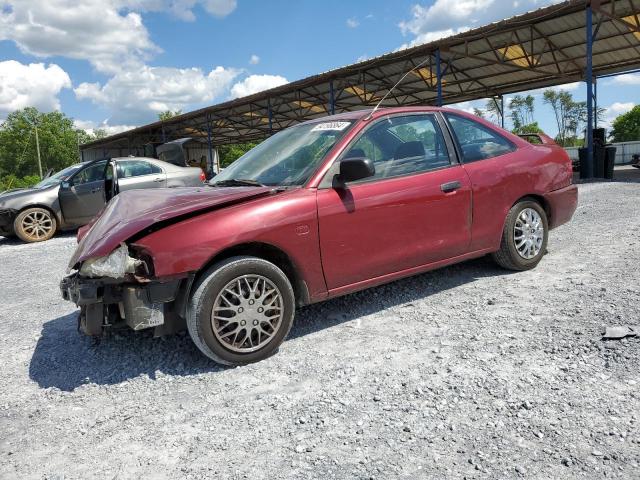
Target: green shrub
(11, 181)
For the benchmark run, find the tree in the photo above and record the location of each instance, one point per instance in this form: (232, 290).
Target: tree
(58, 139)
(530, 128)
(492, 109)
(167, 114)
(626, 127)
(230, 153)
(521, 109)
(478, 112)
(569, 115)
(97, 134)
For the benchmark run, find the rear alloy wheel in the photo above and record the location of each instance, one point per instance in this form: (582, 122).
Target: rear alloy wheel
(524, 238)
(35, 225)
(241, 310)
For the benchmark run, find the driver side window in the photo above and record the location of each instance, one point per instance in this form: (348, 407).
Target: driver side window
(402, 145)
(476, 141)
(93, 173)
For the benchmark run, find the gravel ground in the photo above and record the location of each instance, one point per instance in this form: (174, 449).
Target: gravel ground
(469, 372)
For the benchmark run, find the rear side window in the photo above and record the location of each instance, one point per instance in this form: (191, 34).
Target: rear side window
(136, 168)
(477, 142)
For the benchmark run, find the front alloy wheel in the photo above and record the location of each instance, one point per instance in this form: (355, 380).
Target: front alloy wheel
(241, 310)
(247, 313)
(35, 225)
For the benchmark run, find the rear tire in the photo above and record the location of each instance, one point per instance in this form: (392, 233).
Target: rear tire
(241, 310)
(35, 225)
(524, 237)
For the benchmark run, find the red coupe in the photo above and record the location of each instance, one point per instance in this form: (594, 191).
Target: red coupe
(318, 210)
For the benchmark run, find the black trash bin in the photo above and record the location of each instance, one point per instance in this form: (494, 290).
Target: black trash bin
(610, 160)
(582, 157)
(599, 161)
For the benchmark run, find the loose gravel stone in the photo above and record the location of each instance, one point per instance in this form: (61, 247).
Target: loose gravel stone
(495, 375)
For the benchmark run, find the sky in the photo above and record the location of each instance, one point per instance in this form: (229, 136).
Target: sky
(116, 64)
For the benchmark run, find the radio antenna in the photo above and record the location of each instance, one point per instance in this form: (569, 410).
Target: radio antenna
(394, 87)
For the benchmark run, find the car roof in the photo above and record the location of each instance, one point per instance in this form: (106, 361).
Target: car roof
(380, 112)
(155, 161)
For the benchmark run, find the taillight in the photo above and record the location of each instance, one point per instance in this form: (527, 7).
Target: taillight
(203, 177)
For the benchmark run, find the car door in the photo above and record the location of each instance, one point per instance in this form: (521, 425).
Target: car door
(83, 195)
(414, 211)
(136, 173)
(497, 173)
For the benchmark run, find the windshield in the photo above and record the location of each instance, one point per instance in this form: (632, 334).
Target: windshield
(56, 178)
(286, 159)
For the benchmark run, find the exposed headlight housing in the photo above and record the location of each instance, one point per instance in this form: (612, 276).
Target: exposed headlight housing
(115, 265)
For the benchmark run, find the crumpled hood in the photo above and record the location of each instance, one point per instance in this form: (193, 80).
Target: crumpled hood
(133, 211)
(15, 193)
(5, 193)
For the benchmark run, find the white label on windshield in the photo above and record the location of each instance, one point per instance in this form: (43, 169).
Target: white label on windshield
(337, 126)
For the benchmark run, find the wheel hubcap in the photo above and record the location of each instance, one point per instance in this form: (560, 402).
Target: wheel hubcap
(247, 313)
(528, 233)
(37, 225)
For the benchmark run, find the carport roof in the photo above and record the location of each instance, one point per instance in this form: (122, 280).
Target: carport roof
(542, 48)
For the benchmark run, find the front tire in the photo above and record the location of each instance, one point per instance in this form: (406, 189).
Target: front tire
(35, 225)
(524, 237)
(241, 310)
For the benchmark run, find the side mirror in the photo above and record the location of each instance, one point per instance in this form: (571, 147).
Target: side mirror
(66, 185)
(352, 169)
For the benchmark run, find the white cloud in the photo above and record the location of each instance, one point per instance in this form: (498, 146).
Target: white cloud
(429, 37)
(464, 106)
(352, 23)
(618, 108)
(92, 30)
(219, 8)
(254, 60)
(450, 17)
(628, 79)
(567, 87)
(614, 110)
(183, 9)
(134, 95)
(256, 83)
(90, 127)
(107, 33)
(34, 85)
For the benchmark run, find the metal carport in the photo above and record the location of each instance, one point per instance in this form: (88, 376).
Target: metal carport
(567, 42)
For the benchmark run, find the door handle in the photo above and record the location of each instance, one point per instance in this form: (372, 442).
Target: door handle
(450, 186)
(159, 179)
(96, 190)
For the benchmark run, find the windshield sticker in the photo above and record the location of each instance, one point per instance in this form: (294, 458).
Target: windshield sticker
(336, 126)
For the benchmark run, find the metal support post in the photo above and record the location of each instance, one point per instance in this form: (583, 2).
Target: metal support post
(438, 77)
(211, 170)
(589, 170)
(332, 100)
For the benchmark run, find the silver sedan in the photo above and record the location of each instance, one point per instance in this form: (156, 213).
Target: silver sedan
(73, 196)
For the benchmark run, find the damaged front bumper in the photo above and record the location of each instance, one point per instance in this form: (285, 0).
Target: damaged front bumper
(7, 216)
(107, 302)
